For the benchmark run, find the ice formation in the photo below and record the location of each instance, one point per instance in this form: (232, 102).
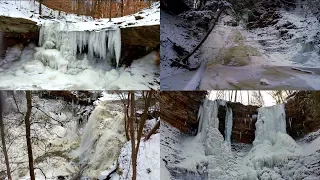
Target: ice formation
(101, 140)
(272, 145)
(221, 162)
(104, 44)
(228, 125)
(271, 120)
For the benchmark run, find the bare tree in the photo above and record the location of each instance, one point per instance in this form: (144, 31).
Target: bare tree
(27, 123)
(110, 6)
(4, 147)
(135, 142)
(133, 149)
(121, 7)
(40, 7)
(257, 98)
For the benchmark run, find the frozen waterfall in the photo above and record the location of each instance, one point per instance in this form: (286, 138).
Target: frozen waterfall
(271, 120)
(104, 44)
(102, 139)
(228, 125)
(221, 162)
(209, 127)
(272, 146)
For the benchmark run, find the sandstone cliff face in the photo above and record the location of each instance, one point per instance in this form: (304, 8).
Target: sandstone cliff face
(244, 119)
(180, 109)
(303, 113)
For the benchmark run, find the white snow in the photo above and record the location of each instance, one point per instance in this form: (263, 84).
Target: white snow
(148, 161)
(57, 65)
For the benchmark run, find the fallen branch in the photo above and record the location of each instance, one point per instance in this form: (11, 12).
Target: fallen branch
(153, 131)
(201, 42)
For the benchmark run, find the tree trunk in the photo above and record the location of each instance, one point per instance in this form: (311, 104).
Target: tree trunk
(133, 149)
(27, 122)
(110, 4)
(144, 117)
(40, 8)
(79, 9)
(121, 7)
(4, 147)
(153, 130)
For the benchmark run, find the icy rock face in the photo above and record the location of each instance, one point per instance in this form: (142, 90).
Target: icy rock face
(101, 140)
(104, 44)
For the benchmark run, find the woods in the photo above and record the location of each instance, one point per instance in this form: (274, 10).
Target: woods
(97, 8)
(61, 134)
(3, 139)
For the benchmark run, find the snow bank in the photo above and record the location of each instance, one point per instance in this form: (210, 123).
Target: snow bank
(148, 161)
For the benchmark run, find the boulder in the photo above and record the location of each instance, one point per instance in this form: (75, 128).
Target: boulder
(17, 25)
(148, 36)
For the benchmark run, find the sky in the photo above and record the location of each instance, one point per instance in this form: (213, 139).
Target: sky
(267, 98)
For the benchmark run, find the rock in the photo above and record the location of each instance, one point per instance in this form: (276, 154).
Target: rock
(148, 36)
(18, 25)
(176, 6)
(138, 17)
(180, 109)
(264, 81)
(302, 113)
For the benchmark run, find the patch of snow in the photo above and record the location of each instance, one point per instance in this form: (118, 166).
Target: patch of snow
(148, 161)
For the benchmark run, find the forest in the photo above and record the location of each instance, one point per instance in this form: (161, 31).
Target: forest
(79, 135)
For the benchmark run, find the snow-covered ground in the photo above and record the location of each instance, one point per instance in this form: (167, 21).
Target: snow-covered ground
(61, 63)
(148, 162)
(274, 154)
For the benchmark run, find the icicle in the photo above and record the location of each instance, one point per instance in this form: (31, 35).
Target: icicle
(41, 36)
(114, 44)
(290, 121)
(228, 125)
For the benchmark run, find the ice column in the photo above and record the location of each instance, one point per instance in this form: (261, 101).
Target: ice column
(208, 129)
(228, 125)
(271, 120)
